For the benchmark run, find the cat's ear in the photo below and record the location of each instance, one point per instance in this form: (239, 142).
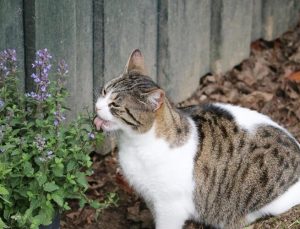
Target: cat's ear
(156, 98)
(136, 63)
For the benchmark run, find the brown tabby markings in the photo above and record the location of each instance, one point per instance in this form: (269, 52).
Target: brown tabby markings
(172, 126)
(129, 94)
(236, 172)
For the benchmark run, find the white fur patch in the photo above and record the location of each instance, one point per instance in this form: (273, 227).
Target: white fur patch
(102, 108)
(161, 174)
(281, 204)
(246, 118)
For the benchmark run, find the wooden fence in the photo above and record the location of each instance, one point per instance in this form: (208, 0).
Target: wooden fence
(181, 39)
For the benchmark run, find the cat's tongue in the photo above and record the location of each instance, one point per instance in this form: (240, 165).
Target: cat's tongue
(98, 123)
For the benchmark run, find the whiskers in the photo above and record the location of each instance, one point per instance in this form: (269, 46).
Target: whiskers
(111, 134)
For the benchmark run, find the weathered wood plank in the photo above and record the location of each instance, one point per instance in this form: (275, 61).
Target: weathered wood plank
(277, 17)
(98, 46)
(183, 48)
(294, 15)
(272, 18)
(84, 55)
(257, 20)
(11, 27)
(231, 33)
(128, 25)
(65, 28)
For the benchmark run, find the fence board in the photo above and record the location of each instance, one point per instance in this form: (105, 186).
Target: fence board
(294, 15)
(11, 27)
(98, 46)
(128, 25)
(183, 49)
(231, 32)
(276, 17)
(181, 40)
(68, 35)
(84, 55)
(257, 20)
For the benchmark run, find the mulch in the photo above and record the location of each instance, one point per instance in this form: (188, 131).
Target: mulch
(268, 81)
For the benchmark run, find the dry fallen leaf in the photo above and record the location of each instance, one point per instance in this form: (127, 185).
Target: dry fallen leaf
(295, 76)
(123, 183)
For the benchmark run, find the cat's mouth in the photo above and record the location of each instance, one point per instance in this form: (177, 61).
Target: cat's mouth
(102, 124)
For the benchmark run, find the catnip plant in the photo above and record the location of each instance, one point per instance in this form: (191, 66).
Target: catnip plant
(44, 160)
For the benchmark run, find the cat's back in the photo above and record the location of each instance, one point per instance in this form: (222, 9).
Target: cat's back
(244, 161)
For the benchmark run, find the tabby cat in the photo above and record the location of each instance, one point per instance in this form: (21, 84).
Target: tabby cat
(218, 164)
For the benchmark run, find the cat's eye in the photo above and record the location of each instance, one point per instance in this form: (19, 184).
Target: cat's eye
(113, 104)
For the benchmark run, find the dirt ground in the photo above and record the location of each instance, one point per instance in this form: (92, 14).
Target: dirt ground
(268, 81)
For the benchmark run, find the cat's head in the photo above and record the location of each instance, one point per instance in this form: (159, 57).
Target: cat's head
(130, 101)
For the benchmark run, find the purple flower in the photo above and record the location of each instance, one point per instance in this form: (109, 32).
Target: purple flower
(40, 142)
(42, 67)
(91, 135)
(56, 122)
(63, 68)
(62, 71)
(49, 154)
(43, 88)
(1, 104)
(8, 62)
(59, 117)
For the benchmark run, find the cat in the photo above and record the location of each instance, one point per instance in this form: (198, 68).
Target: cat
(218, 164)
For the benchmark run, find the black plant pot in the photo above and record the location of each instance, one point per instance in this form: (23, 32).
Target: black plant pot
(54, 224)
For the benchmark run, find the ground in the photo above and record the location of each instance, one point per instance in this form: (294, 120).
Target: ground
(268, 81)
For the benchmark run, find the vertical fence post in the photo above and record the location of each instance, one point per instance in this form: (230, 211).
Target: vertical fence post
(276, 17)
(231, 32)
(11, 27)
(98, 45)
(129, 25)
(294, 15)
(65, 28)
(257, 20)
(83, 98)
(183, 46)
(181, 40)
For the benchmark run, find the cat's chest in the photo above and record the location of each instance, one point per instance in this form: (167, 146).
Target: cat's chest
(144, 159)
(150, 164)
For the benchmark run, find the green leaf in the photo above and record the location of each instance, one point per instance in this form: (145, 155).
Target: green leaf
(50, 186)
(41, 178)
(71, 165)
(39, 123)
(58, 199)
(2, 224)
(3, 190)
(58, 170)
(81, 179)
(66, 206)
(95, 204)
(28, 169)
(45, 216)
(8, 147)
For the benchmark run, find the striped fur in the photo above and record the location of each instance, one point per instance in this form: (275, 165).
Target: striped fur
(219, 164)
(236, 171)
